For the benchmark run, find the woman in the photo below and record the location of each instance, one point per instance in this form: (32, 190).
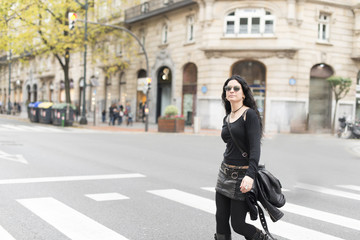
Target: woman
(237, 173)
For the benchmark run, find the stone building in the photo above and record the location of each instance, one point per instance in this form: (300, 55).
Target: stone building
(285, 49)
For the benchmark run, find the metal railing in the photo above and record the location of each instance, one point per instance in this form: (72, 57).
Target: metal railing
(153, 7)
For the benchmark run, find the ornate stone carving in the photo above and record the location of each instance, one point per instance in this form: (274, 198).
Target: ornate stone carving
(250, 53)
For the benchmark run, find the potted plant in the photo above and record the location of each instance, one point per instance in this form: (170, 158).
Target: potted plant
(171, 121)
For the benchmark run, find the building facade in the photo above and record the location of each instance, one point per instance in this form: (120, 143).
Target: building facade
(285, 49)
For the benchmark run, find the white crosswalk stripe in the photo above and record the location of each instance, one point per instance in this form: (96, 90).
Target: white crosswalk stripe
(280, 228)
(106, 196)
(350, 187)
(4, 235)
(44, 129)
(77, 226)
(328, 191)
(70, 222)
(315, 214)
(322, 216)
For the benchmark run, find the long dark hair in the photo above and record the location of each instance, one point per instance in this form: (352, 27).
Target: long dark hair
(248, 101)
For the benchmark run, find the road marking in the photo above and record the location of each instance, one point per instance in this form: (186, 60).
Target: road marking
(28, 128)
(13, 127)
(350, 187)
(4, 235)
(280, 228)
(70, 178)
(50, 129)
(315, 214)
(188, 199)
(13, 157)
(328, 191)
(210, 189)
(322, 216)
(70, 222)
(106, 196)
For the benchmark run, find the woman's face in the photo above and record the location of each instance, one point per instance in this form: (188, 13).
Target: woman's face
(234, 92)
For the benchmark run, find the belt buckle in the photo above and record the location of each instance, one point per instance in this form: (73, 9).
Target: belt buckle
(234, 175)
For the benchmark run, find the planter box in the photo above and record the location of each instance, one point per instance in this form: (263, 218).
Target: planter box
(171, 125)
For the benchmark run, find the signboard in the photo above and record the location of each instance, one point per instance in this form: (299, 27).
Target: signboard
(142, 85)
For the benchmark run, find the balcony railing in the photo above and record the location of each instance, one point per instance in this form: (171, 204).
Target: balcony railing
(152, 8)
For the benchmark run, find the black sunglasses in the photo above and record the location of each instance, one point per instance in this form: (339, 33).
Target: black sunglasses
(228, 88)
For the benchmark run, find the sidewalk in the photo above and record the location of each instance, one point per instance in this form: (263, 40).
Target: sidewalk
(135, 127)
(140, 127)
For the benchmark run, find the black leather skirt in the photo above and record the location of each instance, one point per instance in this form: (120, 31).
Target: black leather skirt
(229, 181)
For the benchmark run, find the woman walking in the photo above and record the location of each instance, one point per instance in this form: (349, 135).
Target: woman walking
(237, 171)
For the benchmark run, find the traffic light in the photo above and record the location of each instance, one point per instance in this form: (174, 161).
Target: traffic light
(148, 80)
(72, 19)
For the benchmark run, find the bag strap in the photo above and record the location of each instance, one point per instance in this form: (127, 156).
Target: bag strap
(263, 221)
(243, 153)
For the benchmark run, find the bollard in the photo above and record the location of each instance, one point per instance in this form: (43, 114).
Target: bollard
(196, 124)
(62, 119)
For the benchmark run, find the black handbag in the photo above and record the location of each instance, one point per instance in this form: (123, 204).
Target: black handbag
(269, 189)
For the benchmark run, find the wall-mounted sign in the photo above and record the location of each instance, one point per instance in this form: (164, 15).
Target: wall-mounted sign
(292, 81)
(204, 89)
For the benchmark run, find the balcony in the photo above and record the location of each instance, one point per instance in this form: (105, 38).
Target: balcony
(153, 8)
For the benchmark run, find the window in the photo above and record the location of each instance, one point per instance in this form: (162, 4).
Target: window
(119, 48)
(323, 27)
(102, 10)
(190, 29)
(164, 35)
(249, 22)
(117, 4)
(145, 7)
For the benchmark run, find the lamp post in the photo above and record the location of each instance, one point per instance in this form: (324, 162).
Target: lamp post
(9, 97)
(142, 47)
(83, 119)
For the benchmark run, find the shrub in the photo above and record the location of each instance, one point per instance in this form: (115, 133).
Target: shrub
(171, 112)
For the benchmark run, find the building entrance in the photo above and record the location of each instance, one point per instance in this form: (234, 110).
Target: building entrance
(164, 78)
(320, 98)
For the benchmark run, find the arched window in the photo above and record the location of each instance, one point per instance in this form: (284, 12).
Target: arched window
(249, 22)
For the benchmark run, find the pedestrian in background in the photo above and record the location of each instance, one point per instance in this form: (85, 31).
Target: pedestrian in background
(237, 172)
(111, 115)
(103, 115)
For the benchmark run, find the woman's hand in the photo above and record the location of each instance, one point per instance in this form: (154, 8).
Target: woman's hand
(246, 184)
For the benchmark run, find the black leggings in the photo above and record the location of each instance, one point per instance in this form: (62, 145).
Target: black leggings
(226, 207)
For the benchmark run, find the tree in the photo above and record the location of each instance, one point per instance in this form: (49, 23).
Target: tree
(36, 27)
(340, 87)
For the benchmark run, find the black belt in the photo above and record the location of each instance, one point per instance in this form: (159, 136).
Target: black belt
(233, 171)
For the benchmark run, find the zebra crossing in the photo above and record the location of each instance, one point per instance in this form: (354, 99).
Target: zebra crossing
(77, 226)
(41, 129)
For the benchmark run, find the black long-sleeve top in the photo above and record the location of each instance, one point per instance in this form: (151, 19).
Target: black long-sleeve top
(248, 135)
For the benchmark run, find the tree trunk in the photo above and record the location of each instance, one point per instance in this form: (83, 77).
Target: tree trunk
(66, 76)
(334, 118)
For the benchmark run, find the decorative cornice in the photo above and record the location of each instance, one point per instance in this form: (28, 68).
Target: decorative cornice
(250, 53)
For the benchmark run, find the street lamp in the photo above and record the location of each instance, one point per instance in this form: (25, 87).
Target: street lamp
(83, 119)
(9, 97)
(134, 36)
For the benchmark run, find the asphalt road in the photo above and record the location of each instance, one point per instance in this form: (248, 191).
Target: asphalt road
(72, 183)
